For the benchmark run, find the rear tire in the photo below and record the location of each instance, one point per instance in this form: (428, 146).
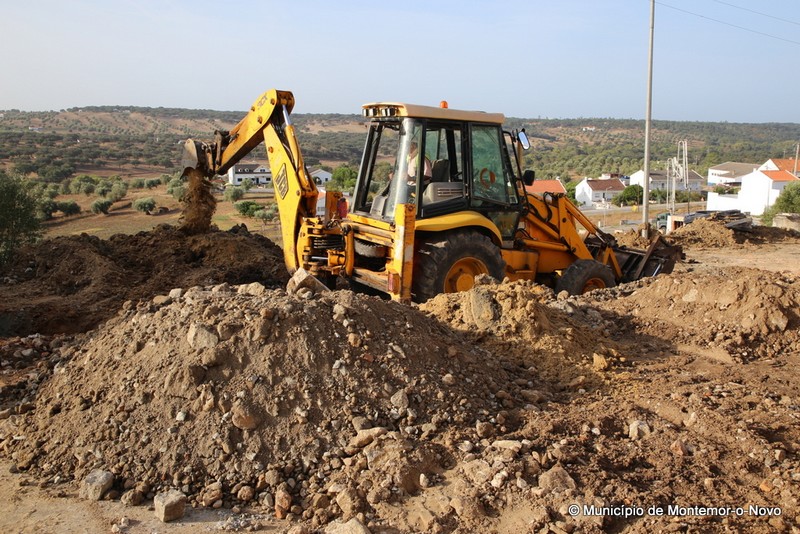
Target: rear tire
(584, 276)
(451, 262)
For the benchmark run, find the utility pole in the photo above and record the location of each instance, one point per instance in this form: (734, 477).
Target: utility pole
(647, 121)
(796, 154)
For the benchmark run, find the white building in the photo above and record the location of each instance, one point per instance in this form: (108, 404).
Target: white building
(258, 173)
(321, 176)
(760, 189)
(658, 180)
(597, 193)
(730, 172)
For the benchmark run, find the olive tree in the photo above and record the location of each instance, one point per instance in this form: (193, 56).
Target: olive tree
(18, 221)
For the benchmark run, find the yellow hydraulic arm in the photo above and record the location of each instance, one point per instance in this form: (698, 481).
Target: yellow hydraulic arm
(268, 121)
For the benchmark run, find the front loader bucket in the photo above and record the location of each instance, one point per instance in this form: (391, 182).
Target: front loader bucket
(660, 257)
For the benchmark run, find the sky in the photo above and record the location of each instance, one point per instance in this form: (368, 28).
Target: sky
(713, 60)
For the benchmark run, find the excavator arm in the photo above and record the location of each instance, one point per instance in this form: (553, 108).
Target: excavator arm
(267, 121)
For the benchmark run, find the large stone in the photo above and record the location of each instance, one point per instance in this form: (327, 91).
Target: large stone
(478, 471)
(367, 436)
(96, 484)
(350, 502)
(556, 480)
(201, 337)
(304, 279)
(170, 505)
(243, 418)
(354, 526)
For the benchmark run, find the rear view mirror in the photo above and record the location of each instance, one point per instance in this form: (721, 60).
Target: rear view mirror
(523, 139)
(528, 177)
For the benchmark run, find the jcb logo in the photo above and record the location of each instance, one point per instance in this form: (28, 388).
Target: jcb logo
(281, 182)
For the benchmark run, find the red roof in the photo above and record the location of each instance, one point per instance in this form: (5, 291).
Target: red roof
(780, 176)
(546, 186)
(785, 164)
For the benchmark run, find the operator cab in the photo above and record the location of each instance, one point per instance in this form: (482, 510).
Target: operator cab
(443, 161)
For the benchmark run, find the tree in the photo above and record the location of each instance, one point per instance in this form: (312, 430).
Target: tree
(630, 195)
(233, 194)
(101, 205)
(343, 179)
(787, 202)
(18, 221)
(145, 205)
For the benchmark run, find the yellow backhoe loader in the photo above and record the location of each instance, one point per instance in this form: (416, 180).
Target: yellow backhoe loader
(440, 199)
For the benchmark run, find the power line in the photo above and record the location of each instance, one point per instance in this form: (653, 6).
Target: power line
(729, 24)
(758, 13)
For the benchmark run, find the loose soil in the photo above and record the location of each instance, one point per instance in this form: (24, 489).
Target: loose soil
(494, 410)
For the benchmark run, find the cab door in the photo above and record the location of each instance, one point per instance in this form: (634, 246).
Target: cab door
(492, 181)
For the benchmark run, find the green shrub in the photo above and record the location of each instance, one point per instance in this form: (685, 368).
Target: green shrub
(247, 207)
(137, 183)
(145, 205)
(150, 183)
(68, 207)
(101, 205)
(233, 193)
(117, 192)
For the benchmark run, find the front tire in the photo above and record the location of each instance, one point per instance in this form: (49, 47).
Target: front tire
(584, 276)
(450, 263)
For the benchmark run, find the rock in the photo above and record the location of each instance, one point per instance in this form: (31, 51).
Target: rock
(246, 494)
(638, 430)
(484, 429)
(556, 480)
(350, 502)
(485, 310)
(478, 471)
(360, 422)
(600, 362)
(96, 484)
(400, 400)
(679, 448)
(201, 337)
(448, 380)
(367, 436)
(304, 279)
(133, 497)
(243, 418)
(170, 505)
(255, 289)
(508, 444)
(354, 526)
(211, 494)
(283, 502)
(176, 293)
(161, 300)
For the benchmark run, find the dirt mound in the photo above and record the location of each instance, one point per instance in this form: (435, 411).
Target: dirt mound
(491, 410)
(710, 233)
(71, 284)
(704, 233)
(254, 387)
(747, 313)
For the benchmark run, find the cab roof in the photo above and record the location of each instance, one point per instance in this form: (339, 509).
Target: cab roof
(379, 110)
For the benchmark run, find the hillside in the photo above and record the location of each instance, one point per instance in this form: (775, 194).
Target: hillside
(120, 140)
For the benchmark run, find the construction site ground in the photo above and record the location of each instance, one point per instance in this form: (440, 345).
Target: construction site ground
(178, 361)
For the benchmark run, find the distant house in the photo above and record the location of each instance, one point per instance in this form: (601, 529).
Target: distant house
(595, 193)
(760, 189)
(546, 186)
(321, 176)
(788, 165)
(730, 172)
(659, 180)
(258, 173)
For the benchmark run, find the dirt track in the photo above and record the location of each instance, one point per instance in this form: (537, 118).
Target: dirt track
(495, 409)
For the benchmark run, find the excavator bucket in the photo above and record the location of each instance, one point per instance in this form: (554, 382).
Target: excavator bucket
(659, 258)
(199, 156)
